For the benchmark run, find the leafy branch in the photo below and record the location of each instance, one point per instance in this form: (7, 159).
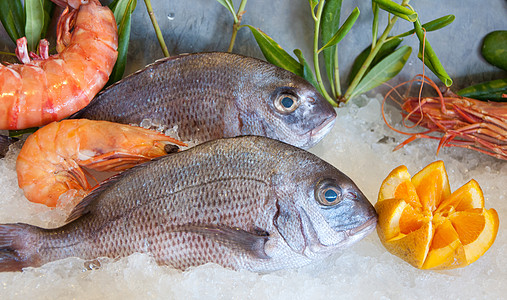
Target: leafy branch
(237, 18)
(375, 65)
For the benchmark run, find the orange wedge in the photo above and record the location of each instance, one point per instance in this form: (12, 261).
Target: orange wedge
(424, 224)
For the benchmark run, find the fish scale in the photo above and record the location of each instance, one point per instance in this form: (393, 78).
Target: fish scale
(235, 202)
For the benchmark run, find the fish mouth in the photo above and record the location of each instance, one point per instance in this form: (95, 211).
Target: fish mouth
(365, 228)
(346, 237)
(356, 234)
(320, 131)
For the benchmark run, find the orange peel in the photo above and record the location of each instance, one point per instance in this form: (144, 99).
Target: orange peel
(425, 224)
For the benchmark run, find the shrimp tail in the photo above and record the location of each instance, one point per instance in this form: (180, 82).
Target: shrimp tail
(17, 247)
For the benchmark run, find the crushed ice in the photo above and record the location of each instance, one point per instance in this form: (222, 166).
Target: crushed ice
(360, 145)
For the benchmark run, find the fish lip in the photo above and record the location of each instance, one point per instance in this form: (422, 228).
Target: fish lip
(365, 228)
(324, 127)
(316, 134)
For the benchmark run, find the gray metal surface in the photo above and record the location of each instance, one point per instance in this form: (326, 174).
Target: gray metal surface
(205, 25)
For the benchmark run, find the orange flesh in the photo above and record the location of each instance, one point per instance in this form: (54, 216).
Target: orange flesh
(407, 192)
(427, 226)
(468, 225)
(410, 220)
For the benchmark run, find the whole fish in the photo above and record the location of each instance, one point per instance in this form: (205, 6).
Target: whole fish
(244, 203)
(216, 95)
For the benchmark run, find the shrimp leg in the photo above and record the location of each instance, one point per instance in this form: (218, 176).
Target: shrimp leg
(50, 88)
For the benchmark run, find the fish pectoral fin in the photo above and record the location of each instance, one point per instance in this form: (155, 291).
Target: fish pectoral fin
(80, 209)
(236, 238)
(85, 205)
(288, 223)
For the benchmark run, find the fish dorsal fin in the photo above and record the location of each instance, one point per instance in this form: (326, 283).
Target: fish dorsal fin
(234, 237)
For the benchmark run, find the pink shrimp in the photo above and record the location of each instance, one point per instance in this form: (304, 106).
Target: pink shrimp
(51, 160)
(464, 122)
(50, 88)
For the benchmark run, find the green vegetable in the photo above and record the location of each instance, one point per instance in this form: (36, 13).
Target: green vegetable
(274, 53)
(385, 50)
(429, 57)
(397, 10)
(122, 10)
(330, 24)
(344, 29)
(432, 25)
(494, 48)
(376, 64)
(13, 18)
(491, 90)
(37, 14)
(385, 70)
(31, 21)
(230, 6)
(307, 70)
(19, 133)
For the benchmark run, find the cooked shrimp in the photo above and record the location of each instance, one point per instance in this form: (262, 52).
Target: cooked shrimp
(51, 160)
(50, 88)
(464, 122)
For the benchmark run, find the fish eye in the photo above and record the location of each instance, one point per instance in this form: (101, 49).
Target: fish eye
(328, 194)
(286, 103)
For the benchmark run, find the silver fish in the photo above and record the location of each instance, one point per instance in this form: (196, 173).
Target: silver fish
(216, 95)
(244, 203)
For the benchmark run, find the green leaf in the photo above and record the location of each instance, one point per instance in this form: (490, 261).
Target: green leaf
(120, 9)
(123, 8)
(34, 12)
(19, 133)
(275, 54)
(432, 25)
(307, 70)
(13, 18)
(386, 49)
(230, 6)
(329, 25)
(383, 71)
(344, 29)
(430, 58)
(494, 48)
(47, 7)
(397, 10)
(489, 90)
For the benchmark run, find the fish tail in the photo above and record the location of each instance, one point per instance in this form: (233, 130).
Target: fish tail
(17, 247)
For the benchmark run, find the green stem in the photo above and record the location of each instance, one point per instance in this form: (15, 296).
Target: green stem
(7, 53)
(157, 28)
(375, 9)
(337, 90)
(237, 23)
(369, 59)
(371, 56)
(316, 54)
